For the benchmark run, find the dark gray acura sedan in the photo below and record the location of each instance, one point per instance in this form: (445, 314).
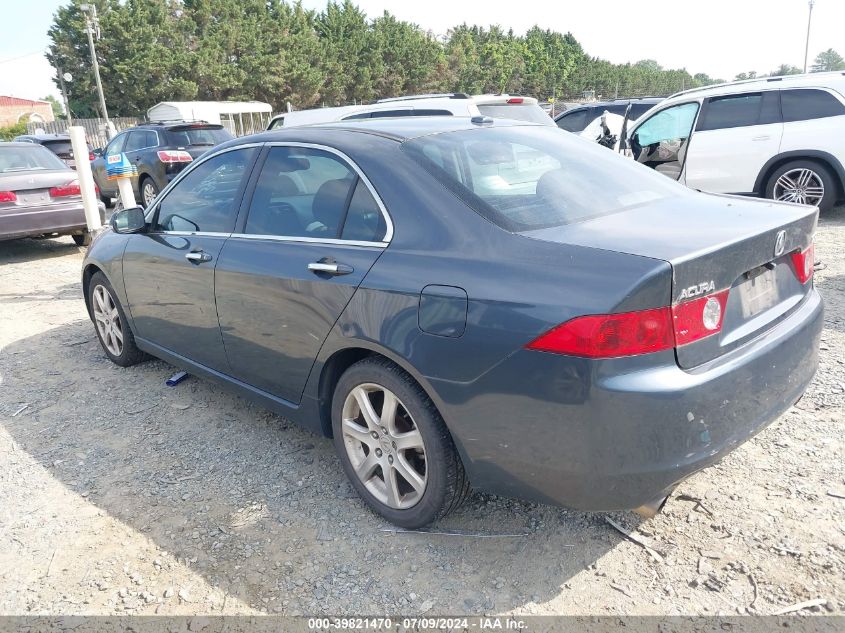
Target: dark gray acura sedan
(466, 302)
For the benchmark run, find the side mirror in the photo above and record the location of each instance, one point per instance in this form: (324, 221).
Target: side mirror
(130, 220)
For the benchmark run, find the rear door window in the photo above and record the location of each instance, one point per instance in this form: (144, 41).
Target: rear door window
(731, 111)
(301, 192)
(198, 136)
(806, 104)
(137, 140)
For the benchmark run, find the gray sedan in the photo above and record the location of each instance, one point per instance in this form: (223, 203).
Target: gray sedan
(39, 195)
(467, 302)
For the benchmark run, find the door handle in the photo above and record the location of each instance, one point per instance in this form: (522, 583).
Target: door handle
(198, 257)
(765, 137)
(330, 268)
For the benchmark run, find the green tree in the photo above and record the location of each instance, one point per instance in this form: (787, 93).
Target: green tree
(749, 75)
(785, 69)
(828, 60)
(58, 111)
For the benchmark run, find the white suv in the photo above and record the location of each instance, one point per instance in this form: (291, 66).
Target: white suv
(455, 104)
(777, 137)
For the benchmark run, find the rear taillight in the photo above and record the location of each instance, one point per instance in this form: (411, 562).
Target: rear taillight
(174, 156)
(803, 262)
(91, 156)
(699, 318)
(516, 100)
(610, 335)
(70, 189)
(8, 196)
(634, 333)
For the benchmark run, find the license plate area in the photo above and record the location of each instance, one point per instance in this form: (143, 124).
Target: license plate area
(34, 197)
(758, 291)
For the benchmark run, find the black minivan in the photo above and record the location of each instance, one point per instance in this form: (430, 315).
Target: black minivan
(159, 151)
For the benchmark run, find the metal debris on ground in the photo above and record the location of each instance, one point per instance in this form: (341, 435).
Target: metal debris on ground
(636, 538)
(176, 378)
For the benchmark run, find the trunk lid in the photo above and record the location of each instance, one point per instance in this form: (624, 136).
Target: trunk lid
(32, 188)
(713, 243)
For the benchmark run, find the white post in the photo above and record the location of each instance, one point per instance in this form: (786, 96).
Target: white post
(127, 195)
(86, 179)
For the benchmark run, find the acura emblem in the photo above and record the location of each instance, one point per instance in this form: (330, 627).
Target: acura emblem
(780, 243)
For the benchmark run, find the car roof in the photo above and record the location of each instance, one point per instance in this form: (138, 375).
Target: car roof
(834, 79)
(46, 137)
(18, 144)
(397, 129)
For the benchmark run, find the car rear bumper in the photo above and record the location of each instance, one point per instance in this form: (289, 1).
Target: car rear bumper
(616, 434)
(31, 221)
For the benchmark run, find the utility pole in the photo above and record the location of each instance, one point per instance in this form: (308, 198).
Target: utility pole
(64, 96)
(91, 22)
(807, 45)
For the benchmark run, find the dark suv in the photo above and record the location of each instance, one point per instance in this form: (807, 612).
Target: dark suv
(577, 118)
(59, 144)
(159, 151)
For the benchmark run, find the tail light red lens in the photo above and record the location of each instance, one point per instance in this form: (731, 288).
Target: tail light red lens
(634, 333)
(516, 100)
(8, 196)
(70, 189)
(803, 263)
(91, 156)
(610, 335)
(174, 156)
(699, 318)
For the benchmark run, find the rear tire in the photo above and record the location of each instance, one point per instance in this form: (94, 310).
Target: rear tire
(82, 240)
(111, 324)
(412, 444)
(148, 190)
(804, 182)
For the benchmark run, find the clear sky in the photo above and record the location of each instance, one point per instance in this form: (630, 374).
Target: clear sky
(717, 37)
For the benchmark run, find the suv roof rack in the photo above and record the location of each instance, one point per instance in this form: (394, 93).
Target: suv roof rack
(168, 121)
(445, 95)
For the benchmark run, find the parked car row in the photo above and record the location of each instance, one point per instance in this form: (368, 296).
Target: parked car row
(470, 302)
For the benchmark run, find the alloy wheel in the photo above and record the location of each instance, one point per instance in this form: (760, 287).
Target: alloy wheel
(802, 185)
(384, 446)
(149, 193)
(108, 321)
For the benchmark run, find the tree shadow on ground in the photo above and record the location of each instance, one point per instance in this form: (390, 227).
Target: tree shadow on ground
(261, 506)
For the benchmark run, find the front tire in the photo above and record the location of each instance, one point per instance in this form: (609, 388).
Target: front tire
(83, 239)
(111, 324)
(394, 446)
(803, 182)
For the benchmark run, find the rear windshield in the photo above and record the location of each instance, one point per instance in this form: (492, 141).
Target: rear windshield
(529, 177)
(519, 112)
(35, 158)
(198, 136)
(58, 147)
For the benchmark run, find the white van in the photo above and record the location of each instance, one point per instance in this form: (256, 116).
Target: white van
(455, 104)
(777, 137)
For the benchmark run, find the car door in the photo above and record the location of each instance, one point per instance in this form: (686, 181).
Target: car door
(661, 141)
(735, 136)
(98, 165)
(168, 272)
(136, 149)
(312, 230)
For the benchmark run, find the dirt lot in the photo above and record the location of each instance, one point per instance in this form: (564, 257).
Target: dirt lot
(119, 494)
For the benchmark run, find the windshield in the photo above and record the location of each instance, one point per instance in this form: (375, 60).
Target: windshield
(198, 136)
(13, 159)
(524, 112)
(530, 177)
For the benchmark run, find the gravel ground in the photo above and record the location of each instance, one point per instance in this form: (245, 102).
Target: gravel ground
(121, 495)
